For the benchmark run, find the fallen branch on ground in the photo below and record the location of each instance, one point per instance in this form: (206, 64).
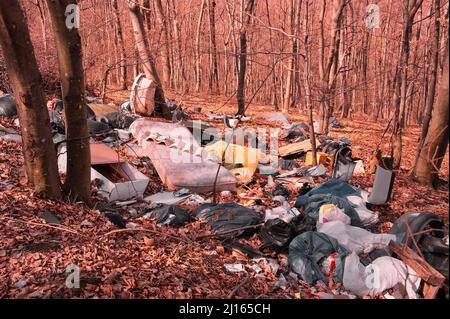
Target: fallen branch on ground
(61, 228)
(235, 290)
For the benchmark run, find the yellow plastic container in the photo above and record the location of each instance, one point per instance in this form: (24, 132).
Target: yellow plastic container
(322, 158)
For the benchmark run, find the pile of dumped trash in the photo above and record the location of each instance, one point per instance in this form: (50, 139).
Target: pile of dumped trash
(321, 226)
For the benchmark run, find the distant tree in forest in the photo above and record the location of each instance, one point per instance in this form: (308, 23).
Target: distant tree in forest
(246, 21)
(409, 10)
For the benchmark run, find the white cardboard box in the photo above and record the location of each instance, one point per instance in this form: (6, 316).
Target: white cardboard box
(107, 167)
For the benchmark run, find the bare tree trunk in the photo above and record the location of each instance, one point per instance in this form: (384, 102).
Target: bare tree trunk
(410, 8)
(293, 20)
(105, 81)
(384, 86)
(26, 81)
(436, 142)
(274, 75)
(214, 68)
(243, 56)
(225, 62)
(148, 63)
(162, 19)
(146, 14)
(427, 54)
(307, 82)
(121, 45)
(330, 70)
(412, 88)
(432, 87)
(365, 62)
(181, 72)
(68, 45)
(40, 5)
(198, 76)
(136, 66)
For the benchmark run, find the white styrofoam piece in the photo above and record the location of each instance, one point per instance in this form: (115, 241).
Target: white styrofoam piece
(122, 191)
(135, 187)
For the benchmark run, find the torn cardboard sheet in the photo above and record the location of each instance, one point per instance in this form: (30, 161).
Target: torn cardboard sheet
(103, 109)
(296, 148)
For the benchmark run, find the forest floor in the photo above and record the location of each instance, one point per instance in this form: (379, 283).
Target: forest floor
(166, 262)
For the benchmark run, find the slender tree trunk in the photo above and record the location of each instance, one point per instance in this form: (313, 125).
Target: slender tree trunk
(247, 18)
(330, 70)
(146, 14)
(214, 68)
(410, 8)
(274, 74)
(68, 45)
(146, 58)
(307, 83)
(165, 50)
(432, 87)
(26, 81)
(365, 62)
(181, 72)
(293, 17)
(136, 66)
(198, 75)
(436, 142)
(121, 46)
(426, 71)
(41, 8)
(412, 88)
(225, 62)
(384, 86)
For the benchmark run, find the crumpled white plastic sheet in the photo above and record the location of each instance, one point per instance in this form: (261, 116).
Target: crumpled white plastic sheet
(382, 274)
(353, 238)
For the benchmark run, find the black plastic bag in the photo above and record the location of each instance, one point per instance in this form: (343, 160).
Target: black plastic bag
(97, 128)
(116, 120)
(8, 107)
(227, 217)
(171, 215)
(276, 234)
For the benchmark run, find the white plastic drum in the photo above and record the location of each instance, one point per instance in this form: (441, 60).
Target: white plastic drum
(142, 98)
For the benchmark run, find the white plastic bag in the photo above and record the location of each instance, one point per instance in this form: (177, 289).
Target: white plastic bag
(279, 212)
(329, 213)
(366, 216)
(384, 273)
(355, 239)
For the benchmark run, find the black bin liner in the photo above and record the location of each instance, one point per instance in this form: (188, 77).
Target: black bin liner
(171, 215)
(276, 234)
(227, 217)
(8, 107)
